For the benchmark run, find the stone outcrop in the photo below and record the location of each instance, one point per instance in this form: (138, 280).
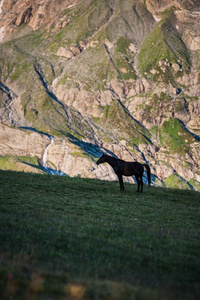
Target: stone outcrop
(17, 142)
(36, 13)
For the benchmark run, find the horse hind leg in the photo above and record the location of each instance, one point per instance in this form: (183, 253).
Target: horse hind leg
(138, 183)
(141, 183)
(121, 182)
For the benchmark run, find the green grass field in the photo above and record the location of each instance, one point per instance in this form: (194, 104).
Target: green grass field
(72, 238)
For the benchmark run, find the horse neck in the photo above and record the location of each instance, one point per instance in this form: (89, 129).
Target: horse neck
(111, 161)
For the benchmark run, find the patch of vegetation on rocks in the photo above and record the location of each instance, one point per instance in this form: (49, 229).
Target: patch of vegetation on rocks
(124, 59)
(85, 20)
(176, 182)
(161, 49)
(195, 184)
(173, 136)
(15, 63)
(117, 120)
(17, 163)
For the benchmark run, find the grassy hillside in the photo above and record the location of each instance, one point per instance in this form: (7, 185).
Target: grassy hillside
(73, 238)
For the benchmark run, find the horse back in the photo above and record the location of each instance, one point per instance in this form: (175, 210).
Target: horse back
(132, 168)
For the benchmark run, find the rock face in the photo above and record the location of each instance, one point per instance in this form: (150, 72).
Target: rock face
(79, 78)
(34, 12)
(18, 143)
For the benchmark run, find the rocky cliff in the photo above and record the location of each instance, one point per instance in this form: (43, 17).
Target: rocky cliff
(78, 78)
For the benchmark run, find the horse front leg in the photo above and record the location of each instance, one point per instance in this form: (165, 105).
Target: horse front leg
(121, 182)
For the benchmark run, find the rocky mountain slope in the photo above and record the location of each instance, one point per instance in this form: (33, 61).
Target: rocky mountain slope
(78, 77)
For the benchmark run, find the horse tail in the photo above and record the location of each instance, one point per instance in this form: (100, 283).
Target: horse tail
(148, 173)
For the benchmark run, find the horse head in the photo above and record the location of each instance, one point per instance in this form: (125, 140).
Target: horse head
(101, 160)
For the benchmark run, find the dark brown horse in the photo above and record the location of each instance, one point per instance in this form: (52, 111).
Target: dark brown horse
(122, 167)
